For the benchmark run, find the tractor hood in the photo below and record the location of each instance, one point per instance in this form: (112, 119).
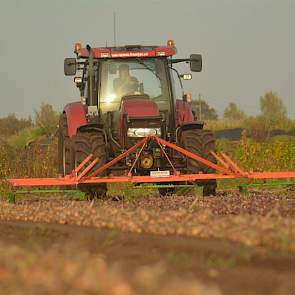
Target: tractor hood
(136, 114)
(140, 107)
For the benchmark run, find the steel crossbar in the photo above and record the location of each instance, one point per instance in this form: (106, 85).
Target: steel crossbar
(228, 170)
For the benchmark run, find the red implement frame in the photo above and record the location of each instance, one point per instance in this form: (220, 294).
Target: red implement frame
(227, 170)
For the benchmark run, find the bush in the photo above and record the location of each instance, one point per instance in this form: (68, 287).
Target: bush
(273, 155)
(25, 137)
(11, 125)
(257, 128)
(272, 109)
(224, 124)
(36, 160)
(22, 149)
(232, 112)
(46, 119)
(6, 155)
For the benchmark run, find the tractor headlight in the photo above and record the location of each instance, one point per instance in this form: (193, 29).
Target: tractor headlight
(143, 132)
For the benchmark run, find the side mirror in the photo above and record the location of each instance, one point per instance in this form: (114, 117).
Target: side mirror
(70, 66)
(196, 62)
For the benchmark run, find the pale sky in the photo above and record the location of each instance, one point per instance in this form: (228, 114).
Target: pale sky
(248, 46)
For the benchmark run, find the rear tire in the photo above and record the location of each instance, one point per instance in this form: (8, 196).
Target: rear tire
(65, 158)
(86, 143)
(200, 142)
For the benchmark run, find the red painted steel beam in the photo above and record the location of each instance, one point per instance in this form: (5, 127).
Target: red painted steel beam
(27, 182)
(84, 162)
(30, 182)
(160, 141)
(225, 165)
(191, 155)
(87, 169)
(233, 164)
(149, 179)
(270, 175)
(120, 157)
(73, 180)
(133, 179)
(169, 161)
(135, 161)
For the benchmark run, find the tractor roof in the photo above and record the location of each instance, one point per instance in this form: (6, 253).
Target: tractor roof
(129, 51)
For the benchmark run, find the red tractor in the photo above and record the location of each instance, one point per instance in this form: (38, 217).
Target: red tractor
(128, 93)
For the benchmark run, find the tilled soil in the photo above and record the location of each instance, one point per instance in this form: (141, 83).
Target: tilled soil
(117, 251)
(55, 259)
(258, 219)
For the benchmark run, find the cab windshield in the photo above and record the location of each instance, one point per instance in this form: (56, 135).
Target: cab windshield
(123, 77)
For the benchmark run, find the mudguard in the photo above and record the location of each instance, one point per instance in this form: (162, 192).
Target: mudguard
(183, 113)
(185, 119)
(76, 117)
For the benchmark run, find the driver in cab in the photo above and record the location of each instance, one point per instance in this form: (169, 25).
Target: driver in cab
(125, 84)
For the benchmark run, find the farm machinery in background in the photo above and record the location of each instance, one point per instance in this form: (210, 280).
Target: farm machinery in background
(130, 126)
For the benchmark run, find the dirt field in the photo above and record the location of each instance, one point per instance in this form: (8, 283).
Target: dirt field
(229, 244)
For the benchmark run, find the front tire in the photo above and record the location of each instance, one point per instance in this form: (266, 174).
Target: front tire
(200, 142)
(86, 143)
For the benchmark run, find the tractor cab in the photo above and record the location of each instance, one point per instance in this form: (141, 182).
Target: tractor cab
(133, 77)
(138, 90)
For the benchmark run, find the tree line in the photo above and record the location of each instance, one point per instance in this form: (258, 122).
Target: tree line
(273, 115)
(272, 109)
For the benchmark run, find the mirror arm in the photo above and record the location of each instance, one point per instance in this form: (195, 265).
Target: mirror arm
(181, 84)
(177, 60)
(91, 77)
